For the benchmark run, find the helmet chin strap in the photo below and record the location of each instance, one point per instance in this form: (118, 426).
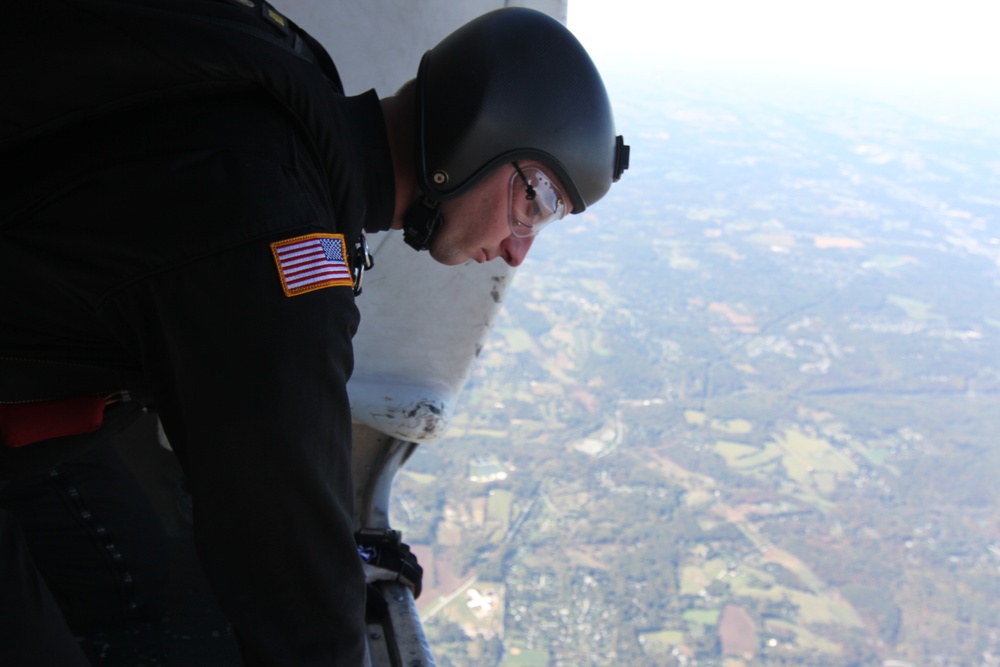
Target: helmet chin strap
(421, 220)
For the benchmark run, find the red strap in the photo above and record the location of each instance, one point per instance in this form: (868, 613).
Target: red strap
(24, 423)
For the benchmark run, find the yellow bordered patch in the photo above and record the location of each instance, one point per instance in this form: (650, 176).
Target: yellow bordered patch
(312, 262)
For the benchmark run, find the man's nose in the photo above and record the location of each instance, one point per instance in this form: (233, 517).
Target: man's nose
(514, 249)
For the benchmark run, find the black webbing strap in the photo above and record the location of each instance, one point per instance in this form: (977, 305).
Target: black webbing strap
(384, 550)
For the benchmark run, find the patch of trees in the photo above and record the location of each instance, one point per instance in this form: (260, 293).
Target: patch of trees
(785, 577)
(877, 605)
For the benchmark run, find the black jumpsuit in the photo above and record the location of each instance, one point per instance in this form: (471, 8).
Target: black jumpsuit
(146, 240)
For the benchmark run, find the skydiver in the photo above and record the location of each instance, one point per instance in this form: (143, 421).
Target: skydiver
(180, 240)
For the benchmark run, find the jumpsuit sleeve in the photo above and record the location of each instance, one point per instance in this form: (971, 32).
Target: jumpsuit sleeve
(251, 386)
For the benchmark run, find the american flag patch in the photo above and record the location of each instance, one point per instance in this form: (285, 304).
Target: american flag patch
(307, 263)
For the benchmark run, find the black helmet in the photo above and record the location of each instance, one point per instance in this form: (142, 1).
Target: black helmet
(514, 84)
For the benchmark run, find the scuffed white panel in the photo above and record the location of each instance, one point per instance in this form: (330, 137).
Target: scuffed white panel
(422, 324)
(412, 413)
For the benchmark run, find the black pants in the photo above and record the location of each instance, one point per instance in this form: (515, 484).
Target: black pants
(81, 550)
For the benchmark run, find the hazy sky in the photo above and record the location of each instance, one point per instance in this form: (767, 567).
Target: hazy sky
(938, 42)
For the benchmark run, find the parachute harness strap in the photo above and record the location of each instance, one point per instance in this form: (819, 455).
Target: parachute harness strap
(420, 222)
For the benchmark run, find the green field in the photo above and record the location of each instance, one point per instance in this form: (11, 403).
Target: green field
(702, 617)
(803, 639)
(524, 657)
(695, 578)
(660, 642)
(518, 339)
(732, 426)
(498, 507)
(812, 462)
(694, 417)
(733, 452)
(915, 310)
(419, 477)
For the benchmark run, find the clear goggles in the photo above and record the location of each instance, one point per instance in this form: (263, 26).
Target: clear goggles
(535, 201)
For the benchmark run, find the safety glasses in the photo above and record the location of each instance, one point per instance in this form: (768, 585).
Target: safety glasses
(534, 202)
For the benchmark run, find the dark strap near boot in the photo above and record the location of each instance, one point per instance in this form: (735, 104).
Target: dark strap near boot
(385, 550)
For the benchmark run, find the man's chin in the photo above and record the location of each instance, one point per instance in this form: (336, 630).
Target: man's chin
(446, 258)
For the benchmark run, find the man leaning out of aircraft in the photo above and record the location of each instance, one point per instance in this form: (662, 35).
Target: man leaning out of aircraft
(183, 233)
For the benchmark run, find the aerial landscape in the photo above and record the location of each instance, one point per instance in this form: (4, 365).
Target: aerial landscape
(744, 412)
